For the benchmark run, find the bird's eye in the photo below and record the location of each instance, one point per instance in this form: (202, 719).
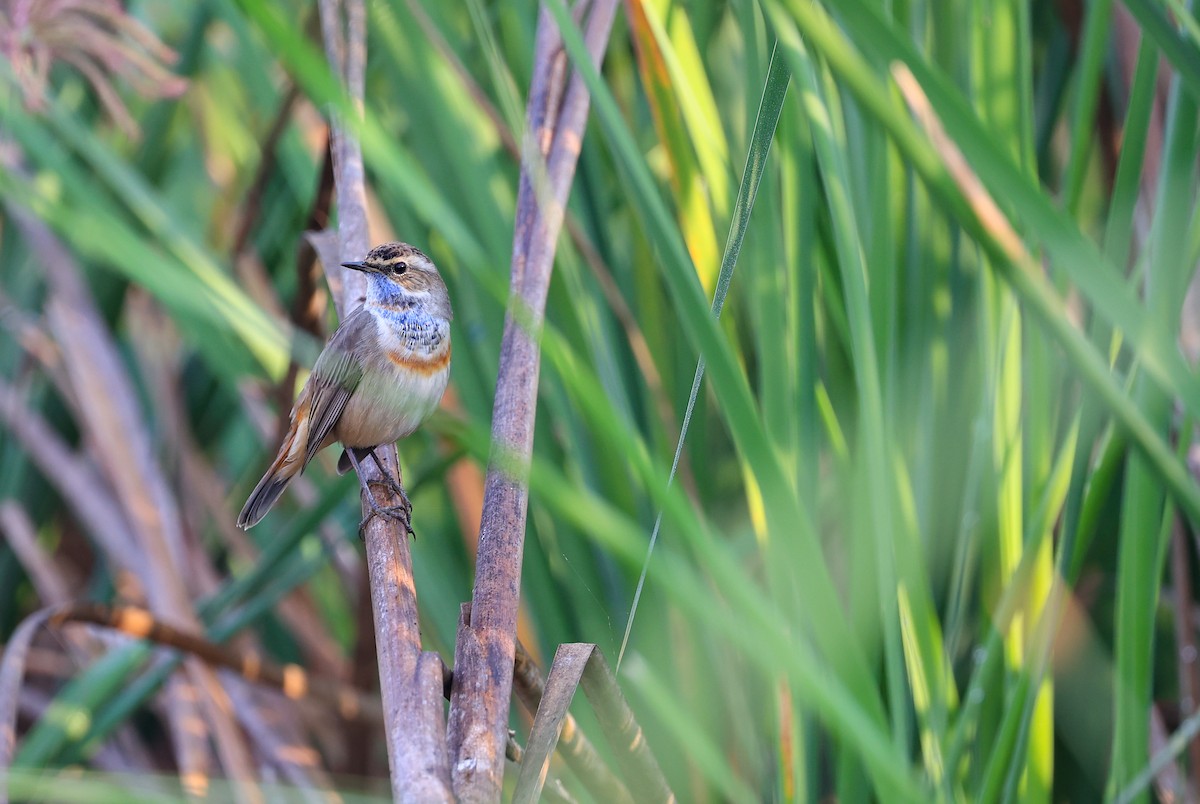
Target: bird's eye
(401, 267)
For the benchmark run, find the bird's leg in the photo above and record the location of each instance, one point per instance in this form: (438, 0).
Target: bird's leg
(400, 513)
(396, 487)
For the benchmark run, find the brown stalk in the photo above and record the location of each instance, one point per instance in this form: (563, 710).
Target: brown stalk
(410, 681)
(112, 424)
(574, 664)
(573, 745)
(464, 483)
(556, 118)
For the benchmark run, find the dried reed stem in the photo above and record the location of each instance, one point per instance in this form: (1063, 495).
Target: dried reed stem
(556, 118)
(410, 682)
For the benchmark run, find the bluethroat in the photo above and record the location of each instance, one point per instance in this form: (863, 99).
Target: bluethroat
(380, 375)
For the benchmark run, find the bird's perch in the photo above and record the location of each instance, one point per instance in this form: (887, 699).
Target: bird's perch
(483, 670)
(410, 681)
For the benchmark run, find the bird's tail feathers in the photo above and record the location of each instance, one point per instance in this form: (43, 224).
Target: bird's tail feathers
(269, 488)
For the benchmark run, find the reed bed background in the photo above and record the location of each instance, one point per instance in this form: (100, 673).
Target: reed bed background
(932, 529)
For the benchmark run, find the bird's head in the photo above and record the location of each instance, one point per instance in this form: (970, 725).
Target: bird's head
(398, 262)
(398, 269)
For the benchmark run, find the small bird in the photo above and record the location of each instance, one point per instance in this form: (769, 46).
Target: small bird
(380, 375)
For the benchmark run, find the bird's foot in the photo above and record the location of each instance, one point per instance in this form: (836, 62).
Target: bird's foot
(389, 480)
(401, 513)
(391, 485)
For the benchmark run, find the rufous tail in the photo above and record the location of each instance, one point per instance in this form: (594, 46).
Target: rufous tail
(285, 466)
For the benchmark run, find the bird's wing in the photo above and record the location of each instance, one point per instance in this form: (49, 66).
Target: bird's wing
(335, 376)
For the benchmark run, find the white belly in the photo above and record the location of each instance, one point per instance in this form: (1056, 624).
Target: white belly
(388, 404)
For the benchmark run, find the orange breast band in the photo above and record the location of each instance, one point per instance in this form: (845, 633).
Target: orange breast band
(421, 365)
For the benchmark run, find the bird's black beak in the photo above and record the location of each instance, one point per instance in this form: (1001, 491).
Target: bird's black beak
(357, 266)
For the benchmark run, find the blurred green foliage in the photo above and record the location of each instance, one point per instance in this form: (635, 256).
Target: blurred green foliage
(918, 542)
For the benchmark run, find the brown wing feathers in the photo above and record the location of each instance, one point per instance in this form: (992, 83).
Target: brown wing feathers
(314, 417)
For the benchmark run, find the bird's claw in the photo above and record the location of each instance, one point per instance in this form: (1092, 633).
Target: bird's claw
(389, 483)
(401, 513)
(398, 513)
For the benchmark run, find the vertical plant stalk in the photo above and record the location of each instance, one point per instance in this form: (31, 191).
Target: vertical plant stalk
(555, 120)
(410, 682)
